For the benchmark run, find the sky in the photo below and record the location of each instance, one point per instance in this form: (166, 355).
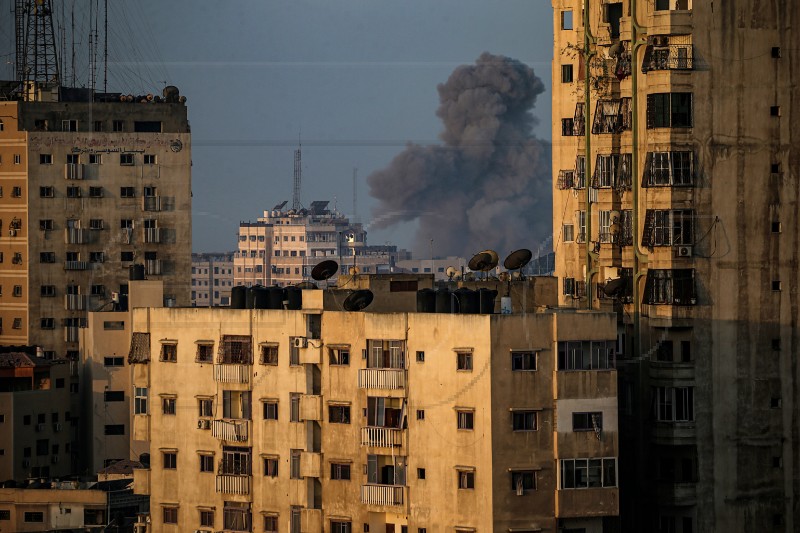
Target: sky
(354, 79)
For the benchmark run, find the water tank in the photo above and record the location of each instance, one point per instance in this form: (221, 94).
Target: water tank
(486, 299)
(294, 297)
(258, 297)
(467, 301)
(426, 301)
(276, 297)
(444, 302)
(136, 272)
(239, 297)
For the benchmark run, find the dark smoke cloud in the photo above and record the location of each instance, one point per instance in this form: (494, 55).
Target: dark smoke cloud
(488, 184)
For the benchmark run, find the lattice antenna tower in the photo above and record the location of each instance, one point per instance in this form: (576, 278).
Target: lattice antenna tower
(20, 9)
(40, 60)
(298, 177)
(355, 194)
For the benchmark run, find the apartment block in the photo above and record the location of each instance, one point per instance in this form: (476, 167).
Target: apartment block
(212, 279)
(90, 183)
(316, 419)
(673, 205)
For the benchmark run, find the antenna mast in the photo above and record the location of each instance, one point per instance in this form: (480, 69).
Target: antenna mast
(20, 10)
(355, 195)
(298, 176)
(40, 57)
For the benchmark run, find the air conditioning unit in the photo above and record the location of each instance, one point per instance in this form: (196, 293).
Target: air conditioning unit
(12, 232)
(39, 428)
(683, 251)
(300, 342)
(26, 463)
(204, 423)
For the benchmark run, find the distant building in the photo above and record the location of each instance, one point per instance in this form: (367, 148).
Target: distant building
(282, 247)
(437, 266)
(212, 279)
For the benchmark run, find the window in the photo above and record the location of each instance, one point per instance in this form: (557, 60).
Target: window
(521, 361)
(524, 421)
(466, 479)
(46, 224)
(115, 429)
(170, 460)
(169, 353)
(48, 290)
(672, 287)
(127, 192)
(270, 524)
(523, 480)
(95, 192)
(48, 323)
(147, 126)
(97, 290)
(126, 256)
(339, 414)
(117, 125)
(566, 20)
(17, 159)
(568, 232)
(465, 419)
(207, 516)
(269, 354)
(341, 527)
(271, 466)
(586, 355)
(149, 159)
(206, 463)
(587, 421)
(168, 406)
(33, 516)
(95, 159)
(294, 407)
(420, 473)
(140, 400)
(5, 514)
(270, 410)
(69, 125)
(205, 407)
(420, 414)
(17, 324)
(668, 227)
(46, 192)
(464, 361)
(294, 464)
(664, 169)
(96, 257)
(669, 110)
(340, 471)
(114, 395)
(580, 217)
(113, 361)
(588, 473)
(674, 404)
(170, 515)
(339, 356)
(205, 353)
(45, 159)
(16, 192)
(126, 159)
(566, 73)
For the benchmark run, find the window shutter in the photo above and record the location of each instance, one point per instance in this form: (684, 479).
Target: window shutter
(648, 163)
(648, 288)
(651, 111)
(595, 176)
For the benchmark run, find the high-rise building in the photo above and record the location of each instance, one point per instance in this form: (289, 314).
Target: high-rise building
(91, 184)
(675, 205)
(212, 279)
(313, 419)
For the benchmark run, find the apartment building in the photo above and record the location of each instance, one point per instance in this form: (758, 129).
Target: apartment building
(282, 247)
(673, 205)
(37, 431)
(57, 507)
(212, 279)
(90, 183)
(321, 420)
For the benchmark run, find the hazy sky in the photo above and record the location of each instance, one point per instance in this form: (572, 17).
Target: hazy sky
(357, 78)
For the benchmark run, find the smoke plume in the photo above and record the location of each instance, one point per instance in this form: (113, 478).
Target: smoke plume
(488, 184)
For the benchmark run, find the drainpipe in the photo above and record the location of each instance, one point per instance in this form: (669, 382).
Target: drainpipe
(639, 258)
(588, 52)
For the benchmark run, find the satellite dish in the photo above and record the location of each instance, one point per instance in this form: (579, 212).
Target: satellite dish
(518, 259)
(504, 276)
(358, 300)
(353, 270)
(451, 271)
(483, 261)
(325, 270)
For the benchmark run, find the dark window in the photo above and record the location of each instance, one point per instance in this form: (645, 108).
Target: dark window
(466, 479)
(127, 192)
(464, 361)
(523, 361)
(147, 126)
(114, 396)
(170, 515)
(5, 514)
(466, 419)
(420, 473)
(587, 421)
(205, 353)
(271, 466)
(207, 518)
(340, 356)
(168, 406)
(588, 473)
(170, 460)
(524, 420)
(169, 353)
(664, 351)
(33, 516)
(420, 414)
(586, 355)
(270, 410)
(126, 159)
(118, 125)
(126, 256)
(669, 110)
(73, 192)
(46, 192)
(113, 361)
(48, 323)
(566, 73)
(403, 286)
(672, 287)
(270, 524)
(341, 527)
(42, 447)
(206, 463)
(269, 355)
(340, 471)
(95, 192)
(115, 429)
(339, 414)
(420, 357)
(523, 480)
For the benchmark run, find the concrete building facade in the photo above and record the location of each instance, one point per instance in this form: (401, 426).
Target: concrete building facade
(321, 420)
(675, 205)
(212, 279)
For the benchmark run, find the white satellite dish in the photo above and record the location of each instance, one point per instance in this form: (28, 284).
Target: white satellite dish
(451, 271)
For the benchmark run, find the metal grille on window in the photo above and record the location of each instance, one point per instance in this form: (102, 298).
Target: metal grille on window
(140, 348)
(235, 349)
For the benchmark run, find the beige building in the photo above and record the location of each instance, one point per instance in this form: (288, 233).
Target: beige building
(91, 186)
(64, 507)
(212, 279)
(437, 266)
(674, 193)
(321, 420)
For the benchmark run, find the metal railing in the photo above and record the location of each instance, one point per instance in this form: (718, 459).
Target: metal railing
(381, 437)
(76, 236)
(233, 484)
(76, 265)
(75, 302)
(381, 378)
(232, 373)
(382, 494)
(671, 57)
(230, 430)
(73, 171)
(152, 235)
(152, 267)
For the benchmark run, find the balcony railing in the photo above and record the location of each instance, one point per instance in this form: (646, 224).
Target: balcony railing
(230, 430)
(670, 57)
(71, 334)
(76, 265)
(76, 236)
(152, 267)
(381, 378)
(233, 484)
(75, 302)
(382, 494)
(73, 171)
(232, 373)
(381, 437)
(152, 235)
(151, 203)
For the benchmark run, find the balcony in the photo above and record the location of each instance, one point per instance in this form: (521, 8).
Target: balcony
(587, 502)
(311, 521)
(381, 378)
(76, 236)
(151, 203)
(310, 355)
(74, 302)
(152, 235)
(73, 171)
(668, 57)
(381, 437)
(310, 407)
(76, 265)
(152, 267)
(233, 484)
(232, 373)
(230, 430)
(141, 427)
(382, 494)
(71, 333)
(310, 465)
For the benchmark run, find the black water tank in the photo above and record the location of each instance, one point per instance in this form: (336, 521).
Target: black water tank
(294, 297)
(444, 303)
(239, 297)
(467, 301)
(136, 272)
(426, 301)
(486, 298)
(258, 297)
(276, 297)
